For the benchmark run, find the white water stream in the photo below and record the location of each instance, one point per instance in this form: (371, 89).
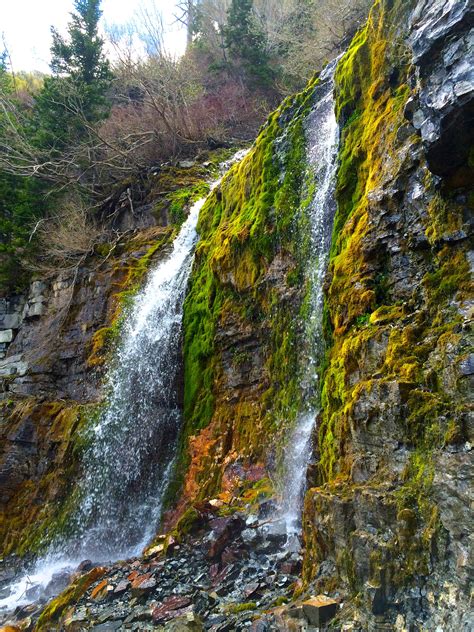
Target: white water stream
(322, 136)
(132, 445)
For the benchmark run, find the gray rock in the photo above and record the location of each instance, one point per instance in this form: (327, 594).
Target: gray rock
(11, 321)
(35, 310)
(14, 365)
(6, 335)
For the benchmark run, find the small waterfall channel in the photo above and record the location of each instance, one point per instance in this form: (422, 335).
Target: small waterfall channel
(322, 135)
(132, 445)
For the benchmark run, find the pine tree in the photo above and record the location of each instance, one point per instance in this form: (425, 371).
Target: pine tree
(81, 57)
(21, 204)
(75, 95)
(246, 43)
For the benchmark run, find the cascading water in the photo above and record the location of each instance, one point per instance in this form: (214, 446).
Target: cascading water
(132, 446)
(322, 135)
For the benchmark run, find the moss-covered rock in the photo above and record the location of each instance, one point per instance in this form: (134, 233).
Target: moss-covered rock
(241, 328)
(392, 393)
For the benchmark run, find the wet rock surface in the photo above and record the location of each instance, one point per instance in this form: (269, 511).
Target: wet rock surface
(218, 578)
(442, 40)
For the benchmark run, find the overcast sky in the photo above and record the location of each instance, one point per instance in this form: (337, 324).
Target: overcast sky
(26, 24)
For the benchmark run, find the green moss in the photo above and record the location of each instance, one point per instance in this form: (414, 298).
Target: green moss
(188, 522)
(181, 199)
(385, 314)
(258, 212)
(452, 275)
(444, 219)
(241, 607)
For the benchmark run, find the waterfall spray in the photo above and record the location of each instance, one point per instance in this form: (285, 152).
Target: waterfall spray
(132, 446)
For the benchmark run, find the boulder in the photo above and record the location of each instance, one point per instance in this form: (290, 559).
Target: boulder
(320, 610)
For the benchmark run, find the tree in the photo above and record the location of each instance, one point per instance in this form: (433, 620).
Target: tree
(21, 203)
(81, 57)
(75, 95)
(247, 44)
(190, 17)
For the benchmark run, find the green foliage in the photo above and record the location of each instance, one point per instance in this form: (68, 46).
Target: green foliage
(247, 43)
(81, 58)
(64, 107)
(22, 202)
(75, 95)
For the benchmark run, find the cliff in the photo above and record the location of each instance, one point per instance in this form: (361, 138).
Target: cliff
(389, 518)
(387, 514)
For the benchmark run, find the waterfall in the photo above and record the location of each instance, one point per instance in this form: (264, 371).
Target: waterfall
(132, 446)
(322, 137)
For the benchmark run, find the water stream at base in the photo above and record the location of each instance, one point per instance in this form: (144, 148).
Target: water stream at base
(322, 135)
(132, 445)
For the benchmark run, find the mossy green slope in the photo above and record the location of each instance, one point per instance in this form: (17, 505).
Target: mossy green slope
(253, 223)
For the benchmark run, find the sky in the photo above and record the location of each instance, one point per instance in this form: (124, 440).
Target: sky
(25, 26)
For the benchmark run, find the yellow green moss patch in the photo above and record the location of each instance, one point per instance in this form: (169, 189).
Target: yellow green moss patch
(50, 618)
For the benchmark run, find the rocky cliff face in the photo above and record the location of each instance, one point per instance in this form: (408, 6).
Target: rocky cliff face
(387, 513)
(56, 341)
(390, 519)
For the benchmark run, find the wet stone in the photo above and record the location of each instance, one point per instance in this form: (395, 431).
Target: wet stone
(58, 583)
(108, 614)
(143, 613)
(249, 536)
(78, 617)
(34, 593)
(169, 607)
(144, 587)
(4, 592)
(100, 591)
(110, 626)
(84, 566)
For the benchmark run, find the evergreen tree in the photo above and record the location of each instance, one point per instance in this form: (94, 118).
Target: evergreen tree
(81, 56)
(247, 45)
(21, 204)
(76, 93)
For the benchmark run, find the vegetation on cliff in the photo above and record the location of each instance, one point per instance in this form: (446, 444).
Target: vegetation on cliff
(93, 126)
(255, 220)
(393, 387)
(388, 346)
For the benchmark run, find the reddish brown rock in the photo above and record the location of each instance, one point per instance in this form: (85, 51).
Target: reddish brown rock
(171, 608)
(224, 530)
(229, 556)
(291, 567)
(143, 585)
(251, 589)
(100, 591)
